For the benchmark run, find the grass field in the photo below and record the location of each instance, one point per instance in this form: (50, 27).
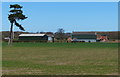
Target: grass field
(60, 59)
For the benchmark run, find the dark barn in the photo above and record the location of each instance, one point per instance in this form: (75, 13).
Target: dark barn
(84, 36)
(33, 37)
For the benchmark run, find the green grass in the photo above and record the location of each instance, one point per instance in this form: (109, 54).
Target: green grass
(60, 59)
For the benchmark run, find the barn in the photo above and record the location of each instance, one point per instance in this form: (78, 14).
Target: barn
(34, 37)
(84, 37)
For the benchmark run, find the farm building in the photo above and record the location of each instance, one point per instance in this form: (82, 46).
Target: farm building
(35, 37)
(84, 37)
(88, 37)
(102, 37)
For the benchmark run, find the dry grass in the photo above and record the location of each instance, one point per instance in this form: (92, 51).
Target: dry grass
(60, 59)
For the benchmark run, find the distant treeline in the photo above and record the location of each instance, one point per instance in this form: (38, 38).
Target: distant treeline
(114, 35)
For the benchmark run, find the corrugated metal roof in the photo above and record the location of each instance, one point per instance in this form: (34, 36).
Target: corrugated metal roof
(49, 35)
(84, 36)
(83, 32)
(31, 34)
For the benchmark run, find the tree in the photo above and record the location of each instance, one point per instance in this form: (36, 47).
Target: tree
(15, 14)
(60, 35)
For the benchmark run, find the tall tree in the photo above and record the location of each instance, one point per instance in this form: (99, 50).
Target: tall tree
(15, 14)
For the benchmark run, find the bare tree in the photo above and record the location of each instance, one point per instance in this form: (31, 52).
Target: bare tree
(60, 35)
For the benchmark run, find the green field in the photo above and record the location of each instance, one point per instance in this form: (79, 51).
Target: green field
(60, 59)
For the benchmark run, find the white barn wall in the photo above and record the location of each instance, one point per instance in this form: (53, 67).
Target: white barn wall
(87, 40)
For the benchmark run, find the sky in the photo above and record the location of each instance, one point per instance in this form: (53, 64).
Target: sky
(71, 16)
(60, 0)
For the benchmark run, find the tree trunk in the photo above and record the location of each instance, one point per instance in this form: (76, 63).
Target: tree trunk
(11, 34)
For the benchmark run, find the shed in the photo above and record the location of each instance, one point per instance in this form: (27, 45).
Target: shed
(50, 38)
(33, 37)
